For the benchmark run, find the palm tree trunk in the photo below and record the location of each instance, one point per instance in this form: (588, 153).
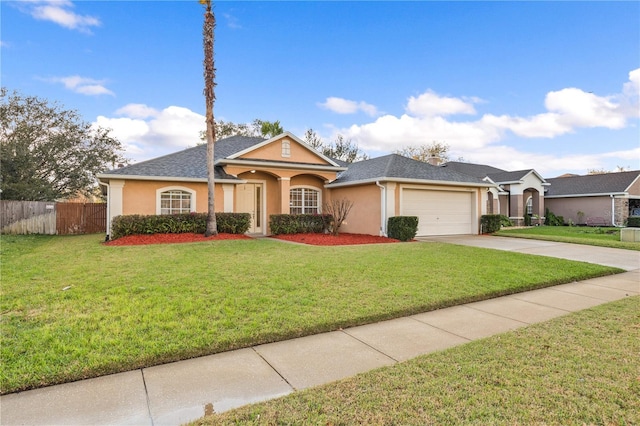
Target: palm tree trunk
(209, 95)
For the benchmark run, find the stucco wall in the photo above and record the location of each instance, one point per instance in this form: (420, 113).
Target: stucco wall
(364, 217)
(139, 197)
(568, 208)
(273, 151)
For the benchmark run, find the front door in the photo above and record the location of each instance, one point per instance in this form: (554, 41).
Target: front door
(249, 200)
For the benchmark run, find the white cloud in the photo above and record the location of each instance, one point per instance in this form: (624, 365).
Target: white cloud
(232, 21)
(82, 85)
(148, 133)
(60, 12)
(427, 118)
(345, 106)
(430, 104)
(137, 111)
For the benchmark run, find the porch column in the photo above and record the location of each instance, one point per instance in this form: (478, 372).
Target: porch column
(227, 204)
(516, 206)
(285, 185)
(538, 205)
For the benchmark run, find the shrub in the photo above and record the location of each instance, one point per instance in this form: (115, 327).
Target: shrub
(633, 221)
(403, 228)
(505, 221)
(553, 220)
(490, 223)
(232, 223)
(299, 223)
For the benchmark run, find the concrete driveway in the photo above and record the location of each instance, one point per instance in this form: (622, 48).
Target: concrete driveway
(628, 260)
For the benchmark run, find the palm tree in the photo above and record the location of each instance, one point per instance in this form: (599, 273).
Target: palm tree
(210, 97)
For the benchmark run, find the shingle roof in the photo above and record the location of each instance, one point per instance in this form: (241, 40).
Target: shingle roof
(477, 170)
(191, 162)
(609, 183)
(395, 166)
(481, 170)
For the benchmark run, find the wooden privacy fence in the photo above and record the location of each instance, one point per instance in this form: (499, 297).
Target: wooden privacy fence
(39, 217)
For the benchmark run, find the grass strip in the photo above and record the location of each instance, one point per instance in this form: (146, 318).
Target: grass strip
(602, 237)
(574, 370)
(72, 308)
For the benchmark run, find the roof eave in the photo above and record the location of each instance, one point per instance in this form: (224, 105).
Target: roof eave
(601, 194)
(102, 177)
(408, 180)
(277, 164)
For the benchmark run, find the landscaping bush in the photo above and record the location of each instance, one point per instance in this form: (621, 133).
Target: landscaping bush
(232, 223)
(403, 228)
(553, 220)
(490, 223)
(299, 223)
(633, 221)
(505, 221)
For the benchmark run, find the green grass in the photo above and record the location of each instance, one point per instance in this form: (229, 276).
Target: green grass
(603, 237)
(72, 308)
(574, 370)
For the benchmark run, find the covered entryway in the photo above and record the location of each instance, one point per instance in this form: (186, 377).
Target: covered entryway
(439, 212)
(250, 199)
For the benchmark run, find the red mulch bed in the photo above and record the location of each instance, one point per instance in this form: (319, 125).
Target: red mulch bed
(334, 240)
(138, 240)
(312, 239)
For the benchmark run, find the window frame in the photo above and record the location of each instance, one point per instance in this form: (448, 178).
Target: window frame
(528, 206)
(160, 191)
(286, 149)
(304, 207)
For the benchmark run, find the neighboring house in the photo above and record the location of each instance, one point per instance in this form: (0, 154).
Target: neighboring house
(515, 194)
(285, 175)
(602, 199)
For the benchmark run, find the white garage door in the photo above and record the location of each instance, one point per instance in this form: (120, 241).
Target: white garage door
(439, 212)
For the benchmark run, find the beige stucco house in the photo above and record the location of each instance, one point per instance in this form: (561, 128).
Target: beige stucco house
(600, 199)
(285, 175)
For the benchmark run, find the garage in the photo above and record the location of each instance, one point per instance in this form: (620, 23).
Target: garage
(439, 212)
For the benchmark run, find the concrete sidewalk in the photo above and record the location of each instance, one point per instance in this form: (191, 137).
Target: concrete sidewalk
(179, 392)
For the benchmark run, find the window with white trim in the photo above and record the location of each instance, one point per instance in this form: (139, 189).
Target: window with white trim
(304, 201)
(530, 206)
(175, 201)
(286, 148)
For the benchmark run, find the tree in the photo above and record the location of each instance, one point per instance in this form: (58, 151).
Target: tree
(341, 149)
(49, 153)
(225, 129)
(436, 152)
(267, 129)
(338, 210)
(209, 95)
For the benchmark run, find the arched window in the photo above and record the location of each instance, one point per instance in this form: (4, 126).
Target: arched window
(530, 206)
(174, 200)
(304, 201)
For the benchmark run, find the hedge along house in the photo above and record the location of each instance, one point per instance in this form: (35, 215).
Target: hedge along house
(285, 175)
(515, 194)
(601, 199)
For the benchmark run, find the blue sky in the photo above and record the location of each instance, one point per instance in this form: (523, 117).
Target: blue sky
(552, 86)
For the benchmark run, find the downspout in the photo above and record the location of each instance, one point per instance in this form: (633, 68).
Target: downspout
(383, 206)
(106, 185)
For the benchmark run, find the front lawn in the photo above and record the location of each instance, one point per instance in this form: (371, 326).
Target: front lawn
(579, 369)
(73, 308)
(604, 237)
